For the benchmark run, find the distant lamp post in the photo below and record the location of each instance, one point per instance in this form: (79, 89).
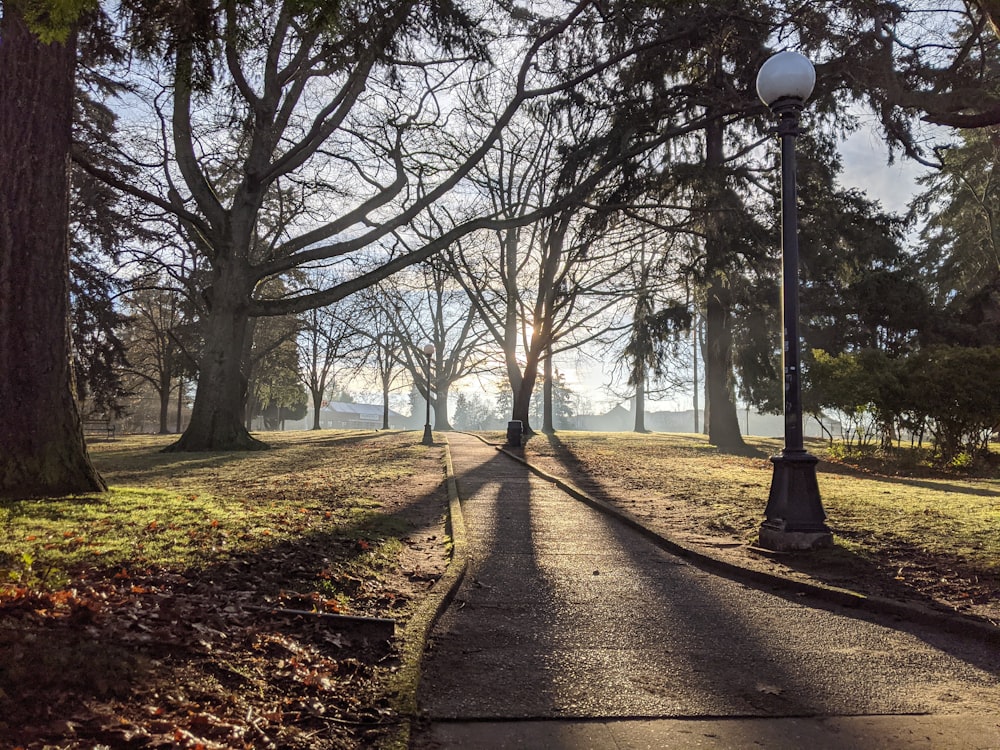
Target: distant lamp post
(428, 438)
(794, 517)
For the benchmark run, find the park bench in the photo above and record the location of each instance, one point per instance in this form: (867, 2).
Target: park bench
(103, 427)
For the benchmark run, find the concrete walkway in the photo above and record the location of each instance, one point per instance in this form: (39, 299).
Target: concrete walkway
(571, 630)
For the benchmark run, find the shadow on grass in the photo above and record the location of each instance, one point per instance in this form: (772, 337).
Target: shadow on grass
(937, 486)
(190, 642)
(156, 468)
(187, 640)
(745, 451)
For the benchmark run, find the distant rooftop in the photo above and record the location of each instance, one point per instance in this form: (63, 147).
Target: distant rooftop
(363, 411)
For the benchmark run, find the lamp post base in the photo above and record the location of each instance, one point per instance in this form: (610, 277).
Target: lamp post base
(795, 519)
(428, 438)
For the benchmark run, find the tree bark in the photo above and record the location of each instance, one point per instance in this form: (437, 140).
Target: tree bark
(180, 402)
(723, 421)
(694, 355)
(640, 406)
(385, 404)
(522, 394)
(42, 450)
(317, 397)
(439, 405)
(163, 389)
(548, 423)
(217, 416)
(991, 11)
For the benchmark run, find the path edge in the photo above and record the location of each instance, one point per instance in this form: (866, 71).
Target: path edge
(415, 637)
(910, 611)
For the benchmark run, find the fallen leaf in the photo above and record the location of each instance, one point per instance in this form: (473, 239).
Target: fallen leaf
(769, 689)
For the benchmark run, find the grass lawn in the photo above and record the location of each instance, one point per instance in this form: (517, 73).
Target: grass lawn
(140, 616)
(922, 533)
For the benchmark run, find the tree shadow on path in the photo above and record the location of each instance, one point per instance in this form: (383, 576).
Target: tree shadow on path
(568, 613)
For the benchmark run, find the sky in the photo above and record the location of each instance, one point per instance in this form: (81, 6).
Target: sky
(866, 166)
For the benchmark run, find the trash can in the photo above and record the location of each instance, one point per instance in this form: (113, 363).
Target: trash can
(515, 429)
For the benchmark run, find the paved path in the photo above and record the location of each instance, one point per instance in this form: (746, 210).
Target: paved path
(573, 631)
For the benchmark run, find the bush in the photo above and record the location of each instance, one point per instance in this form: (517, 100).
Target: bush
(951, 392)
(957, 390)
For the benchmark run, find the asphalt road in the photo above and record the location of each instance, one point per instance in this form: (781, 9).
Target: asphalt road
(565, 614)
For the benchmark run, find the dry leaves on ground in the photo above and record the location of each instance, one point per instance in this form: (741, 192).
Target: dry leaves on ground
(215, 655)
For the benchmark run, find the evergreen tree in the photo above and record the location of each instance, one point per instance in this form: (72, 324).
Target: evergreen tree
(159, 345)
(562, 402)
(101, 223)
(281, 112)
(472, 412)
(960, 251)
(42, 451)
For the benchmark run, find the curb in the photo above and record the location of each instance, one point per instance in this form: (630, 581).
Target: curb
(946, 621)
(416, 635)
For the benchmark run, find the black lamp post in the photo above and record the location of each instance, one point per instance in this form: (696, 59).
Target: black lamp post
(428, 438)
(794, 517)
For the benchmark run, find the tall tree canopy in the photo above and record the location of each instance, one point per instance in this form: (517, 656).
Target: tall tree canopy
(374, 109)
(898, 60)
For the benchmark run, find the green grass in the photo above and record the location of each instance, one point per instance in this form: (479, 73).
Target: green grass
(125, 526)
(941, 516)
(119, 607)
(190, 511)
(946, 515)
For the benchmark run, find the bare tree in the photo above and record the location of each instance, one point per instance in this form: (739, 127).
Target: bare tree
(272, 384)
(539, 288)
(155, 355)
(658, 315)
(328, 335)
(368, 117)
(426, 305)
(371, 322)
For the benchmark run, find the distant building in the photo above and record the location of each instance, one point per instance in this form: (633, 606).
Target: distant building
(336, 415)
(618, 419)
(671, 421)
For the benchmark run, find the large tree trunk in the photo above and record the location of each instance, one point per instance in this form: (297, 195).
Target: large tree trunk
(522, 394)
(723, 421)
(42, 451)
(317, 397)
(164, 394)
(217, 415)
(163, 389)
(640, 406)
(548, 423)
(694, 355)
(440, 406)
(180, 402)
